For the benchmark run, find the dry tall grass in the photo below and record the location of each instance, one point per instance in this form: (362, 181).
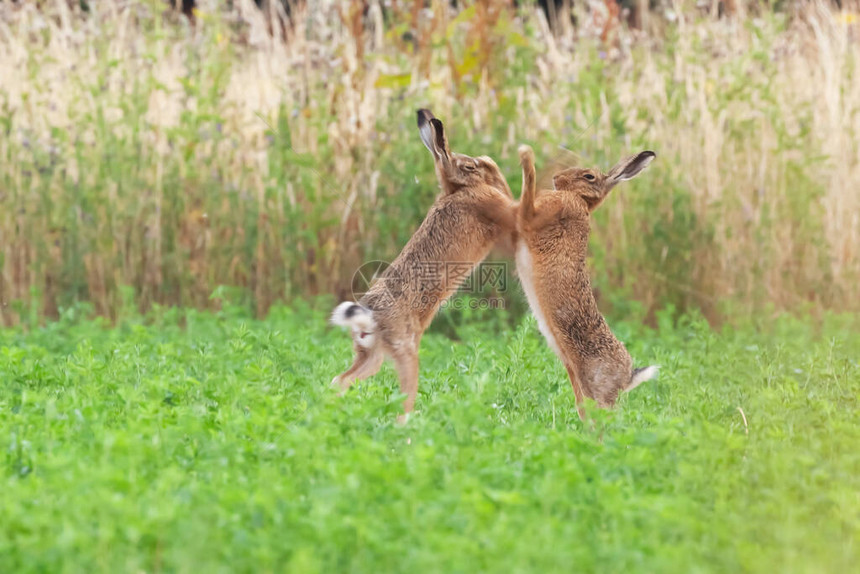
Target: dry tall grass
(144, 160)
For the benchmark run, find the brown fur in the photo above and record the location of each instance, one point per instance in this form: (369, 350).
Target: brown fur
(474, 212)
(553, 229)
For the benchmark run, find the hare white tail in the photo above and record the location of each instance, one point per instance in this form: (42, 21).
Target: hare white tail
(641, 375)
(357, 318)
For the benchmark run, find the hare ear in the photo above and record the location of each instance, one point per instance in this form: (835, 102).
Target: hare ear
(433, 135)
(630, 167)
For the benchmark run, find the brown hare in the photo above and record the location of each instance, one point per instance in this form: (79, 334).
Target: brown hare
(474, 211)
(552, 241)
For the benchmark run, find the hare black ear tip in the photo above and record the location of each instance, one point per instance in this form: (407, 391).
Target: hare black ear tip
(424, 116)
(649, 153)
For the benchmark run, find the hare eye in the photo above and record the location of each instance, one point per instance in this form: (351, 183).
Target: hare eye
(589, 177)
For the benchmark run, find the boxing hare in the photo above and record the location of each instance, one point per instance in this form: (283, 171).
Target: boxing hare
(474, 211)
(552, 242)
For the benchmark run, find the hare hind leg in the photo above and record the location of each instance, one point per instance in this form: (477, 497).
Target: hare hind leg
(577, 391)
(406, 363)
(366, 364)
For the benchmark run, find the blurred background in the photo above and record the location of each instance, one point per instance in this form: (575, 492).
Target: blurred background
(158, 153)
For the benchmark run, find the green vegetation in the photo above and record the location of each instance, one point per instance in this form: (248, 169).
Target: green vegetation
(138, 152)
(194, 442)
(166, 187)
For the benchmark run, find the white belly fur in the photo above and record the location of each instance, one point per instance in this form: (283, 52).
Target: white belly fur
(525, 270)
